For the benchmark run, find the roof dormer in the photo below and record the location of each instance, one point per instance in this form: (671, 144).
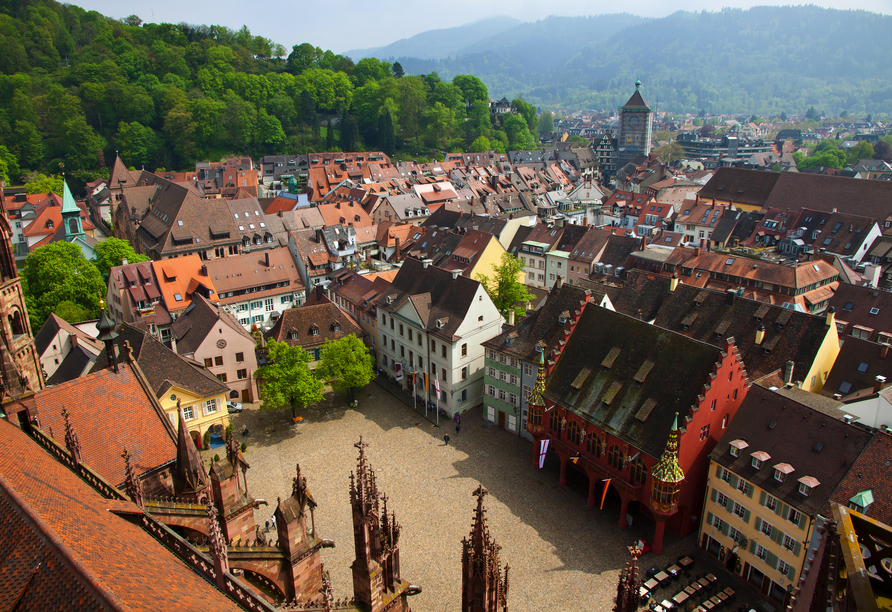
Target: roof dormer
(758, 458)
(736, 446)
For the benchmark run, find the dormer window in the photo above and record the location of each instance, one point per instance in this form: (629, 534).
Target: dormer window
(804, 489)
(862, 501)
(336, 327)
(292, 335)
(758, 458)
(806, 484)
(737, 446)
(314, 331)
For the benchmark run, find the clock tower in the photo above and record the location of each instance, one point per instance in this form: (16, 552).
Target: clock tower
(635, 128)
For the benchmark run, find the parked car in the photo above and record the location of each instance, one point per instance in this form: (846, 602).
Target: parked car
(233, 407)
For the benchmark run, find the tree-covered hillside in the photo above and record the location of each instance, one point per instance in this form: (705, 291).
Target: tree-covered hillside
(76, 86)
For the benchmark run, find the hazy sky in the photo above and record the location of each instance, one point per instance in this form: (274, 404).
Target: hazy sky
(355, 24)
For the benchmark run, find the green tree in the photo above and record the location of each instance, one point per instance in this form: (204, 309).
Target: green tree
(480, 144)
(347, 363)
(882, 150)
(527, 111)
(670, 152)
(811, 113)
(505, 288)
(136, 143)
(397, 70)
(112, 252)
(329, 136)
(862, 150)
(471, 87)
(783, 116)
(386, 138)
(27, 144)
(71, 312)
(45, 184)
(57, 273)
(9, 167)
(349, 132)
(546, 122)
(288, 381)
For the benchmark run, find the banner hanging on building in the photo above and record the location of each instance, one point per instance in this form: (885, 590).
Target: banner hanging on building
(542, 450)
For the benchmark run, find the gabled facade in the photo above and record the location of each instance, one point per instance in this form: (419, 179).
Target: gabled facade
(770, 476)
(638, 406)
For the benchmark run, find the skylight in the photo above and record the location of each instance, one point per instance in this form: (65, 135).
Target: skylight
(863, 367)
(874, 311)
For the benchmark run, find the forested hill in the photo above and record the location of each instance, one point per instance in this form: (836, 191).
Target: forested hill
(765, 59)
(76, 87)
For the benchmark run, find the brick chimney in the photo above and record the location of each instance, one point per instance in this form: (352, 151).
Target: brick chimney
(879, 384)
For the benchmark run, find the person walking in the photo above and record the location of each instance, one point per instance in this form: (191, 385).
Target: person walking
(446, 439)
(457, 428)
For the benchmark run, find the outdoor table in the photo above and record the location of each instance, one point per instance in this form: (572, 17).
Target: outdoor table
(708, 604)
(673, 569)
(703, 582)
(643, 592)
(680, 598)
(667, 605)
(661, 577)
(715, 600)
(710, 577)
(651, 584)
(728, 592)
(690, 590)
(686, 562)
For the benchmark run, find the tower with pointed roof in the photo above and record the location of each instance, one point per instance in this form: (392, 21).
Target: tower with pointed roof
(666, 477)
(635, 128)
(71, 215)
(484, 585)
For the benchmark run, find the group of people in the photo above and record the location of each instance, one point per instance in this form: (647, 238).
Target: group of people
(457, 429)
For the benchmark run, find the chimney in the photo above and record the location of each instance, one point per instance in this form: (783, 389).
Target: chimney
(788, 373)
(511, 317)
(204, 270)
(281, 213)
(124, 262)
(426, 262)
(456, 274)
(696, 251)
(760, 334)
(673, 283)
(879, 384)
(643, 242)
(559, 282)
(831, 316)
(396, 253)
(320, 293)
(266, 258)
(872, 274)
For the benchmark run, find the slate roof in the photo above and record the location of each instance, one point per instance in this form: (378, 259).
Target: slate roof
(870, 472)
(74, 364)
(750, 187)
(856, 367)
(323, 317)
(193, 326)
(675, 381)
(162, 367)
(854, 305)
(793, 438)
(542, 325)
(636, 102)
(67, 547)
(867, 198)
(50, 328)
(109, 412)
(450, 298)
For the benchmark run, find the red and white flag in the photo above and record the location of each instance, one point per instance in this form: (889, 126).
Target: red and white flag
(437, 384)
(543, 448)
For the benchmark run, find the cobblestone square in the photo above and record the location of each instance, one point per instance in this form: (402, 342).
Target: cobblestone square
(563, 554)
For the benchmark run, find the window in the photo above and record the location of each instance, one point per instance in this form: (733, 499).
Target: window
(771, 502)
(464, 350)
(222, 377)
(735, 452)
(401, 330)
(639, 471)
(188, 414)
(513, 380)
(480, 319)
(490, 390)
(208, 362)
(784, 568)
(756, 463)
(242, 374)
(713, 404)
(491, 372)
(722, 500)
(210, 406)
(726, 475)
(734, 534)
(615, 457)
(874, 311)
(718, 523)
(725, 421)
(410, 334)
(761, 552)
(218, 360)
(704, 432)
(789, 543)
(795, 516)
(779, 476)
(512, 399)
(804, 489)
(314, 331)
(503, 376)
(492, 354)
(528, 369)
(443, 350)
(502, 395)
(285, 299)
(443, 375)
(464, 373)
(744, 487)
(740, 510)
(239, 357)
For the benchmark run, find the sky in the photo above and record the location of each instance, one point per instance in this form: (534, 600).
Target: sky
(359, 24)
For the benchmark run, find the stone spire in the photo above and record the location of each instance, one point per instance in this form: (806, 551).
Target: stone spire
(536, 398)
(134, 487)
(216, 543)
(71, 442)
(71, 214)
(628, 589)
(189, 475)
(667, 469)
(484, 586)
(107, 335)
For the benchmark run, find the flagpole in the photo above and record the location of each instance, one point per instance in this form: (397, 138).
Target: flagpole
(414, 383)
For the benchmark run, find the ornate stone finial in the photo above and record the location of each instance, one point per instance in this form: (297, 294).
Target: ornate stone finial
(71, 441)
(134, 487)
(628, 588)
(327, 592)
(216, 543)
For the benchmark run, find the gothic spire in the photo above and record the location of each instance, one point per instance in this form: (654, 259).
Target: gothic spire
(134, 487)
(216, 543)
(71, 442)
(667, 468)
(300, 492)
(481, 568)
(189, 473)
(628, 589)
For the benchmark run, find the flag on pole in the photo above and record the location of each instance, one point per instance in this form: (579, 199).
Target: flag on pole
(574, 458)
(437, 383)
(543, 448)
(425, 382)
(606, 482)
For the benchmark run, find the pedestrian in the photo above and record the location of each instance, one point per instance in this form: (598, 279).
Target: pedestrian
(267, 525)
(244, 430)
(274, 521)
(457, 429)
(446, 439)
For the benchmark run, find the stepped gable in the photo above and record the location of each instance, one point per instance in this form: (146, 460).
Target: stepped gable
(110, 411)
(813, 443)
(450, 298)
(611, 349)
(542, 325)
(74, 551)
(749, 187)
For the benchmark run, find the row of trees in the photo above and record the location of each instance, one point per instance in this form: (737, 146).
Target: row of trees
(77, 87)
(288, 381)
(829, 154)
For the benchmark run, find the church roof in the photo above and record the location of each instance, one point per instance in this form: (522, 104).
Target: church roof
(68, 204)
(636, 102)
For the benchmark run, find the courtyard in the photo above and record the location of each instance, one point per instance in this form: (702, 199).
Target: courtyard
(563, 554)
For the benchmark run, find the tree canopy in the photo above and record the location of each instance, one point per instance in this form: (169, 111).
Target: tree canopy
(504, 287)
(111, 252)
(59, 273)
(287, 380)
(347, 363)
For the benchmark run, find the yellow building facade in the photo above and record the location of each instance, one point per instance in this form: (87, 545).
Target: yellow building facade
(200, 413)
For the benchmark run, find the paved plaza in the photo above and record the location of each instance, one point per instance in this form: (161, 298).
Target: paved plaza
(563, 554)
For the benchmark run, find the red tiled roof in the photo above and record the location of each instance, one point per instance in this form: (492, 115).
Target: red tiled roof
(109, 412)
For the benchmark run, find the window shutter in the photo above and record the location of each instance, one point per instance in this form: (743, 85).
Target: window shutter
(752, 546)
(758, 524)
(783, 510)
(797, 547)
(715, 494)
(718, 470)
(777, 535)
(771, 560)
(762, 497)
(802, 521)
(725, 528)
(709, 517)
(746, 515)
(734, 481)
(791, 571)
(750, 489)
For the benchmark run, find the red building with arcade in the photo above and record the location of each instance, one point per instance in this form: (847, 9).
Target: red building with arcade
(639, 406)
